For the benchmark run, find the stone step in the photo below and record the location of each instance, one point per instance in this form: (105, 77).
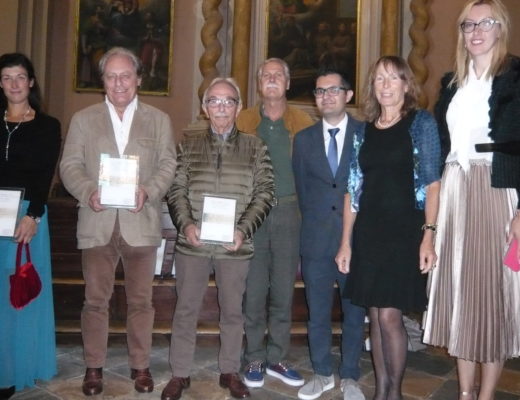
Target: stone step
(158, 281)
(203, 328)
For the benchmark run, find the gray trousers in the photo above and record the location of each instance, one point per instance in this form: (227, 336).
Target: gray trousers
(270, 285)
(192, 275)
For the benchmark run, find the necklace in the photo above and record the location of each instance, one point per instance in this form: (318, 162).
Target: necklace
(11, 131)
(387, 124)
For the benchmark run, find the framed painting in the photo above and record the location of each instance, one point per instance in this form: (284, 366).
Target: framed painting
(143, 26)
(309, 34)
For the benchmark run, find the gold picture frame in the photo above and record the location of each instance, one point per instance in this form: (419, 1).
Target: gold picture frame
(309, 34)
(143, 26)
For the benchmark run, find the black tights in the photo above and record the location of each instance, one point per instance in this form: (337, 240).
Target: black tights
(388, 339)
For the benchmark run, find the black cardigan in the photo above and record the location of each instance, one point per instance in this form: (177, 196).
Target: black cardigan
(504, 122)
(33, 152)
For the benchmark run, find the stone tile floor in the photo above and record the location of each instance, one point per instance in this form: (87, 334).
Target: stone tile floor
(430, 374)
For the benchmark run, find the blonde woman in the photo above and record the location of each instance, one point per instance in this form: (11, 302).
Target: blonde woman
(474, 301)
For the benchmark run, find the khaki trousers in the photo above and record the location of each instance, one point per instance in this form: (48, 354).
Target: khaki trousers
(192, 274)
(99, 265)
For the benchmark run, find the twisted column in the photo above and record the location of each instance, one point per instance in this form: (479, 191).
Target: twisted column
(212, 47)
(419, 45)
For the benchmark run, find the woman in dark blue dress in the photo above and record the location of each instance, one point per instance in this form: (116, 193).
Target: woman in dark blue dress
(29, 148)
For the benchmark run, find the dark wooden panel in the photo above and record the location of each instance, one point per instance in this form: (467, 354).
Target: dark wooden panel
(69, 288)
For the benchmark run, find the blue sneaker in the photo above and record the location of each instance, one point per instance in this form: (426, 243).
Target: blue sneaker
(285, 374)
(254, 374)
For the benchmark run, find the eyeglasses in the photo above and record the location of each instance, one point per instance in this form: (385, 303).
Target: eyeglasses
(332, 91)
(215, 102)
(485, 25)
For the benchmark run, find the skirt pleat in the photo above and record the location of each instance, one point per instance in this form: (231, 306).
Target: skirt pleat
(474, 301)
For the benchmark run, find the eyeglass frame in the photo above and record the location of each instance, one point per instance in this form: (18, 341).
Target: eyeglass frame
(477, 24)
(215, 102)
(332, 91)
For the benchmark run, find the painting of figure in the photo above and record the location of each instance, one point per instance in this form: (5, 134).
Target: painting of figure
(143, 26)
(309, 34)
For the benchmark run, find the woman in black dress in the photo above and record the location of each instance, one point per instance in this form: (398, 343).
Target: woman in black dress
(390, 214)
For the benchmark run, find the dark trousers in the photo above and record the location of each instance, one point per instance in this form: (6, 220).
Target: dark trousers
(319, 276)
(192, 275)
(99, 265)
(270, 285)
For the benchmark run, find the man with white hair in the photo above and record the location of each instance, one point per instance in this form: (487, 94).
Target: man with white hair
(121, 126)
(220, 162)
(270, 283)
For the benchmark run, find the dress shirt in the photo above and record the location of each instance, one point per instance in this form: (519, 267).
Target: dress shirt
(468, 119)
(340, 136)
(122, 127)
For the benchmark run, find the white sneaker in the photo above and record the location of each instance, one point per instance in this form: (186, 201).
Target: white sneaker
(351, 390)
(316, 386)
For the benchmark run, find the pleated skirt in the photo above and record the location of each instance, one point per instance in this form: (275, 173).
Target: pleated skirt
(27, 336)
(473, 299)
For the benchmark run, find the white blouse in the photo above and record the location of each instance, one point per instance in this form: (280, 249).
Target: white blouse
(468, 119)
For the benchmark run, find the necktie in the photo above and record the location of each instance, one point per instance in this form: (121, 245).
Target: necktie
(332, 153)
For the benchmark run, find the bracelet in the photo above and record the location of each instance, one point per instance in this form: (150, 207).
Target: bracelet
(431, 227)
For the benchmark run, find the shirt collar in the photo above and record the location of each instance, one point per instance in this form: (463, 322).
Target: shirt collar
(132, 106)
(342, 124)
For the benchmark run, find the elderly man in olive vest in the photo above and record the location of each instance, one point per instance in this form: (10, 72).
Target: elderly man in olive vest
(220, 163)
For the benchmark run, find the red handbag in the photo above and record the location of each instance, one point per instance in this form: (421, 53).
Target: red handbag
(25, 282)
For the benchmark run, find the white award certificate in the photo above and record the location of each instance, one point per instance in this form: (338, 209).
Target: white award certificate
(118, 179)
(218, 219)
(10, 205)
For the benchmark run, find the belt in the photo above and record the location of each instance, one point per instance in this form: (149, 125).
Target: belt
(284, 200)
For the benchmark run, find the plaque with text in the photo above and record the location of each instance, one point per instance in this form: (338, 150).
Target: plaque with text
(10, 206)
(118, 180)
(218, 219)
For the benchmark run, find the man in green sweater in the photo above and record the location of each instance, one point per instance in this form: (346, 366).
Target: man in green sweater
(272, 273)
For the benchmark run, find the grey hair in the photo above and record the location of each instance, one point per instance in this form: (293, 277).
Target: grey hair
(284, 65)
(121, 51)
(230, 81)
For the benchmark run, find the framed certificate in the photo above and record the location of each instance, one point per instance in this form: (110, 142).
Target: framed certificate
(118, 180)
(10, 207)
(218, 219)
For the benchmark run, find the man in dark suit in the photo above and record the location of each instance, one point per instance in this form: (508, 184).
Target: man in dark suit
(321, 159)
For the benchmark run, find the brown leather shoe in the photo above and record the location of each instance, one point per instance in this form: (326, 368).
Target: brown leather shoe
(236, 387)
(143, 380)
(173, 390)
(93, 381)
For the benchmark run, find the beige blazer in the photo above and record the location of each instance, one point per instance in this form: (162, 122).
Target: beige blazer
(151, 138)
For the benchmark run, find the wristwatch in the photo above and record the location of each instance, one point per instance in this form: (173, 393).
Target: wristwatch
(36, 219)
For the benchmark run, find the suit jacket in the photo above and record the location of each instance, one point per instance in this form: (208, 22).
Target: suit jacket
(320, 194)
(151, 138)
